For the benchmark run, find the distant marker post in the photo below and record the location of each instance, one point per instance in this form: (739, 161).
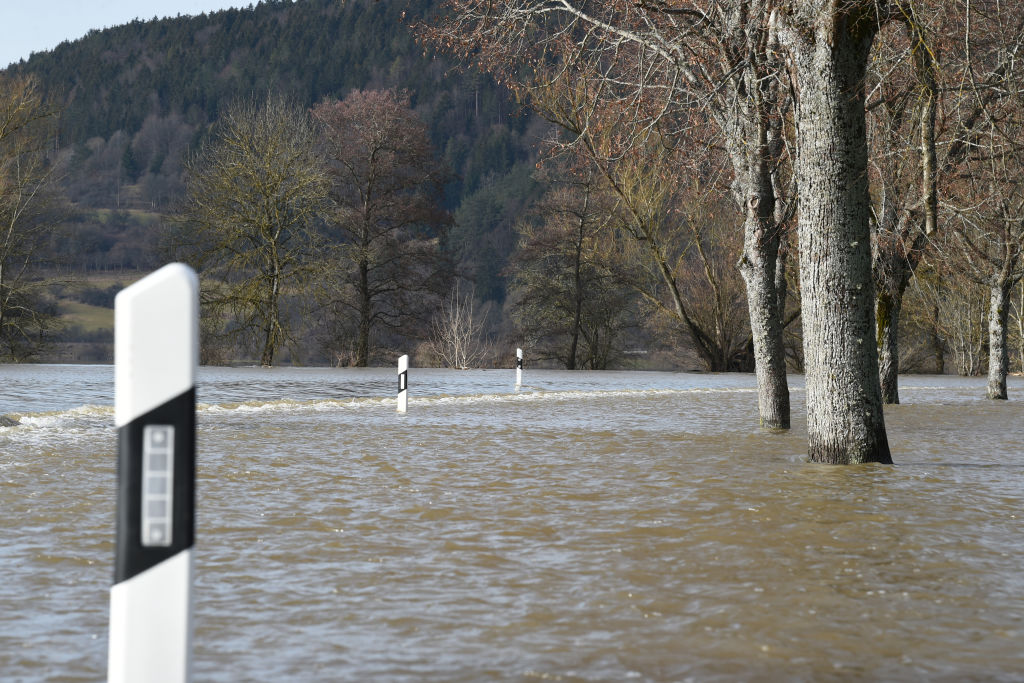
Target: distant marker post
(156, 351)
(403, 384)
(519, 368)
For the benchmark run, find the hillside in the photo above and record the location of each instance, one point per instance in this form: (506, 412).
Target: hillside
(137, 97)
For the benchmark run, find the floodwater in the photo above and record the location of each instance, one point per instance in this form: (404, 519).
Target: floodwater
(591, 527)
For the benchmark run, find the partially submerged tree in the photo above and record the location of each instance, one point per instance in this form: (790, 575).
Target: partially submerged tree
(564, 295)
(724, 57)
(456, 331)
(940, 71)
(670, 68)
(255, 191)
(30, 212)
(386, 186)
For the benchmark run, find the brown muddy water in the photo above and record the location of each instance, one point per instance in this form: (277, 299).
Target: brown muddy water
(592, 527)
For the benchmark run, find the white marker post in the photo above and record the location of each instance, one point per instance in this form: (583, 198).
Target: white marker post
(403, 384)
(156, 351)
(519, 368)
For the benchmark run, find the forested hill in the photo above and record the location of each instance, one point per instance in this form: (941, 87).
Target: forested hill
(137, 97)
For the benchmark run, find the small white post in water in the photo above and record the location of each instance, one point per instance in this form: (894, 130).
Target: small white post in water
(519, 368)
(403, 384)
(156, 351)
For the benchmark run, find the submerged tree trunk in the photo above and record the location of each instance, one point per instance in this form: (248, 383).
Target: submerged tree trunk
(888, 307)
(574, 340)
(758, 267)
(272, 329)
(754, 138)
(363, 338)
(892, 272)
(998, 350)
(830, 45)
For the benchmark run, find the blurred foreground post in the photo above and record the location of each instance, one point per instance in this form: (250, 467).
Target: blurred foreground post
(156, 337)
(519, 368)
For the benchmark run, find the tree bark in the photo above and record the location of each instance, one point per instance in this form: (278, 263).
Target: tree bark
(888, 307)
(274, 316)
(754, 138)
(363, 340)
(892, 270)
(938, 351)
(830, 46)
(570, 363)
(998, 350)
(758, 267)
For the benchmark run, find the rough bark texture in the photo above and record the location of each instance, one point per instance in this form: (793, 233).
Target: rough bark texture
(758, 267)
(752, 123)
(845, 423)
(998, 349)
(888, 307)
(892, 270)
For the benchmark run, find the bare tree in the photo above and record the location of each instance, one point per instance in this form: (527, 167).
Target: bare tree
(679, 256)
(255, 190)
(30, 212)
(722, 58)
(387, 185)
(564, 294)
(951, 309)
(931, 90)
(688, 70)
(456, 331)
(986, 200)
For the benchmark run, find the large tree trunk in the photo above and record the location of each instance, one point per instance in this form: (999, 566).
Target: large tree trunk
(830, 47)
(998, 351)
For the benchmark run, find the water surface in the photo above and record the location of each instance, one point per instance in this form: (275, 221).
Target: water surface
(593, 526)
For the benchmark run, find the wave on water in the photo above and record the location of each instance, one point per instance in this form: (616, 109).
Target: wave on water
(53, 430)
(59, 418)
(100, 418)
(527, 394)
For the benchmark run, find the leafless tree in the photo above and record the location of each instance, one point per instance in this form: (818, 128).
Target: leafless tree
(386, 185)
(255, 191)
(950, 309)
(709, 72)
(456, 331)
(727, 59)
(986, 199)
(30, 213)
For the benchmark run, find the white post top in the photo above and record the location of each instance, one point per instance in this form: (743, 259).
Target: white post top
(156, 341)
(519, 354)
(403, 364)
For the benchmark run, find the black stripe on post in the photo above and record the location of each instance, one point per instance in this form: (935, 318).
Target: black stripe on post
(403, 380)
(133, 557)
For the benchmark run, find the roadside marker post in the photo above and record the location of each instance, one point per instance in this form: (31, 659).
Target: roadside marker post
(403, 384)
(519, 368)
(156, 353)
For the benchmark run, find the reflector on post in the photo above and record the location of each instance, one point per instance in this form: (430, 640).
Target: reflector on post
(403, 384)
(156, 352)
